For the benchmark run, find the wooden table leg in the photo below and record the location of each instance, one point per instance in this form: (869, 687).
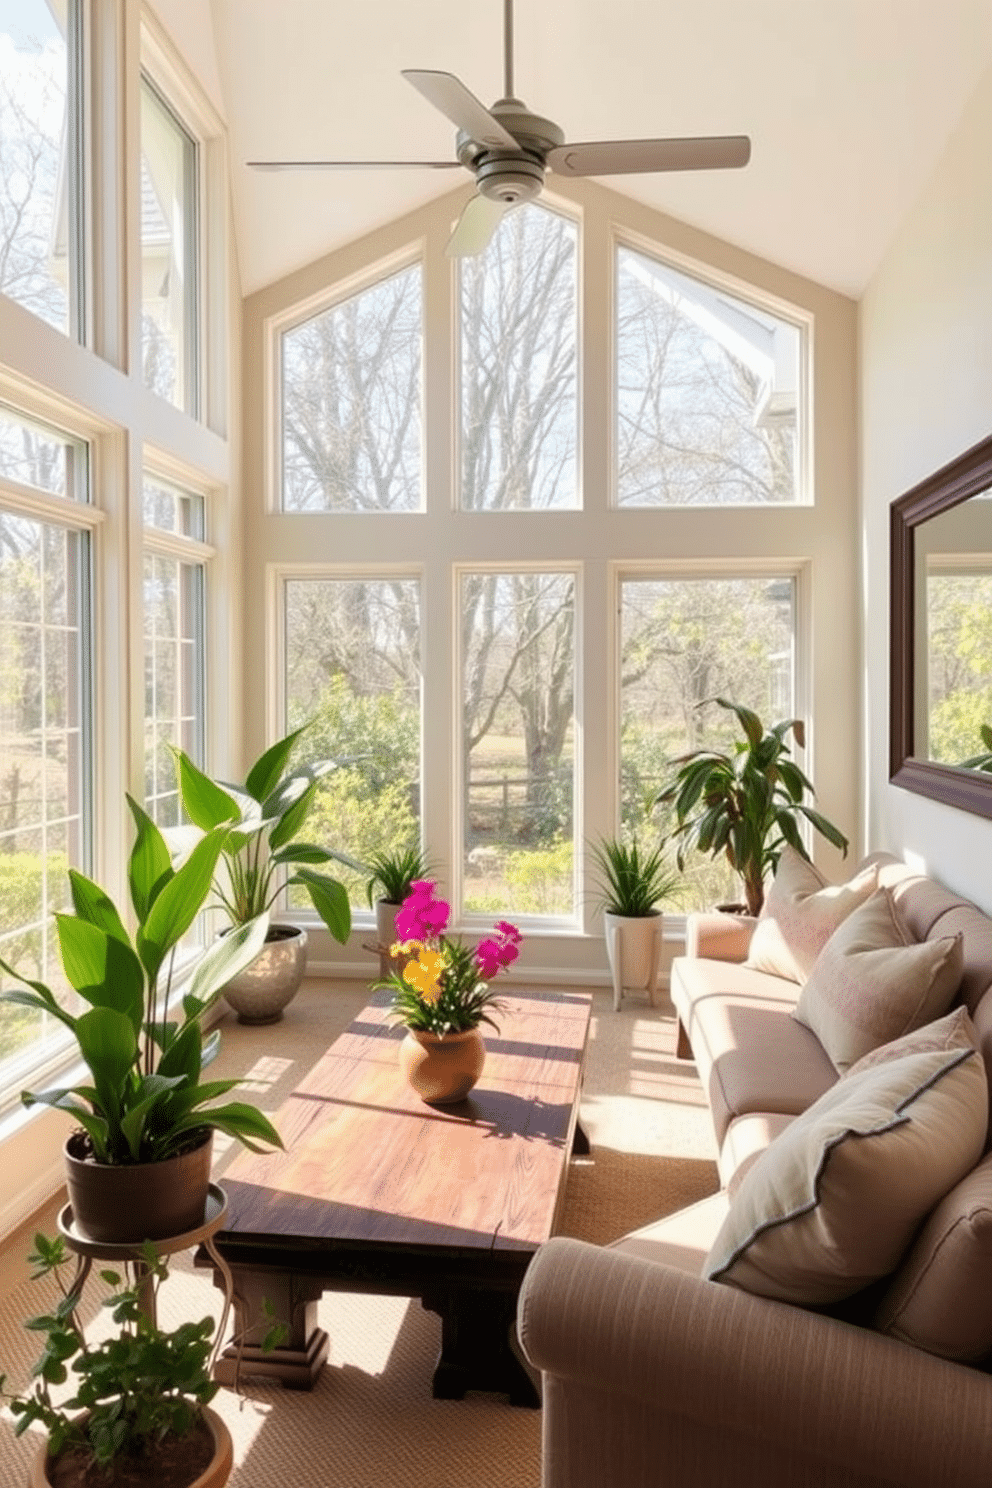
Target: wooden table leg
(477, 1347)
(298, 1360)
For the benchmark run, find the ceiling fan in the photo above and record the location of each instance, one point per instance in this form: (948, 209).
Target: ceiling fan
(508, 149)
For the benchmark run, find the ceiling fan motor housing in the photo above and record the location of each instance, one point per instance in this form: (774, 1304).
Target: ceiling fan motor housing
(511, 175)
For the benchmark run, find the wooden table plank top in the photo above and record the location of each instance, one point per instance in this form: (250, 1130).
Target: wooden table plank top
(367, 1161)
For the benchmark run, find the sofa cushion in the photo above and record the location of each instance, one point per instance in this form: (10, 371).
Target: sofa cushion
(835, 1201)
(683, 1239)
(940, 1299)
(751, 1056)
(748, 1137)
(872, 983)
(801, 912)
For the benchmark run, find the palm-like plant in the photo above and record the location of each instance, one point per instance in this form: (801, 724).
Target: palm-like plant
(981, 761)
(631, 881)
(746, 804)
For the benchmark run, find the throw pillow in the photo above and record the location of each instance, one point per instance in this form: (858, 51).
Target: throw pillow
(835, 1201)
(801, 912)
(872, 983)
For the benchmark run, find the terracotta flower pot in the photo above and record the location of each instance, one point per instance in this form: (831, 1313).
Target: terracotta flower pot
(260, 992)
(442, 1070)
(125, 1203)
(214, 1475)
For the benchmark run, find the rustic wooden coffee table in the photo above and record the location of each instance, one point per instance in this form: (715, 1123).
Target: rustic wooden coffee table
(378, 1192)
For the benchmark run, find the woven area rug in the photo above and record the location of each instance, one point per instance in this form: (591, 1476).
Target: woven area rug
(371, 1421)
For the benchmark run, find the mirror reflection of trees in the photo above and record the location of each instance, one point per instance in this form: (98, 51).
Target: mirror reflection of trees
(959, 650)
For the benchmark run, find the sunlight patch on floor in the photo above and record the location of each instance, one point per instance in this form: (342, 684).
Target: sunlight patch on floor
(643, 1123)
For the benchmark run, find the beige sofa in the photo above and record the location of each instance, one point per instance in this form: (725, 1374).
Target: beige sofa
(654, 1376)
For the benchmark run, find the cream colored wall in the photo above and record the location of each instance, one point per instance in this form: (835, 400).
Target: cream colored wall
(925, 339)
(820, 541)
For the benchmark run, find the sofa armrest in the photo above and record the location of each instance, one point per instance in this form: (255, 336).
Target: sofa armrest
(659, 1360)
(718, 937)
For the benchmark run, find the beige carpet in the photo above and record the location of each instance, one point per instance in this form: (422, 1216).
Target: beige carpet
(371, 1421)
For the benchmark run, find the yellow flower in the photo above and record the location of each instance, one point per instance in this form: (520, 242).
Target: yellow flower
(423, 973)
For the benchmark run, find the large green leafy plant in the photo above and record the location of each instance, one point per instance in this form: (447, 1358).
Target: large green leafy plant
(745, 803)
(260, 821)
(145, 1100)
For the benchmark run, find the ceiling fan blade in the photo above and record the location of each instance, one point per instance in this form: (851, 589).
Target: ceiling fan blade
(631, 157)
(475, 227)
(454, 100)
(278, 165)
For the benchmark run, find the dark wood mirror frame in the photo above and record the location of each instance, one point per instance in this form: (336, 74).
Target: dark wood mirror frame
(969, 790)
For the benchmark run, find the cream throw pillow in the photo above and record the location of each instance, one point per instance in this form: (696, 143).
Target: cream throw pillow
(835, 1201)
(872, 982)
(801, 912)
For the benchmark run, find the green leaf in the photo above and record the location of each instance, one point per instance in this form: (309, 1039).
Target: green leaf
(330, 900)
(205, 803)
(179, 901)
(295, 813)
(91, 903)
(109, 1045)
(104, 970)
(182, 1058)
(303, 852)
(239, 1120)
(828, 830)
(269, 768)
(150, 866)
(229, 954)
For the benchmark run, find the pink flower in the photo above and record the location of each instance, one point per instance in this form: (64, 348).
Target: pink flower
(423, 917)
(494, 955)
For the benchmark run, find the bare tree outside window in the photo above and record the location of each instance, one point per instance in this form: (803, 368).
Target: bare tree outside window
(518, 738)
(37, 231)
(519, 402)
(707, 393)
(353, 673)
(351, 383)
(684, 641)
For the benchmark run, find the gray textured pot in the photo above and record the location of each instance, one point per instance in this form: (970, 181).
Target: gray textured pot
(260, 992)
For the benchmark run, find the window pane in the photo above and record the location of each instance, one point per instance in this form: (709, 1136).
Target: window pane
(707, 393)
(959, 652)
(353, 673)
(683, 643)
(168, 253)
(42, 458)
(39, 199)
(172, 510)
(44, 805)
(519, 402)
(351, 391)
(518, 742)
(173, 604)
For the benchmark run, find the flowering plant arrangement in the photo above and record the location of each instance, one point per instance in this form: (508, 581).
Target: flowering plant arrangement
(442, 986)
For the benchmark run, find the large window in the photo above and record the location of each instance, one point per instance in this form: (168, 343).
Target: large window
(683, 643)
(45, 799)
(518, 742)
(40, 155)
(708, 393)
(174, 599)
(519, 376)
(351, 379)
(169, 253)
(353, 675)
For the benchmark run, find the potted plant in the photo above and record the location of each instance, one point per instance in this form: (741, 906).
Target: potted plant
(140, 1410)
(139, 1166)
(631, 884)
(441, 993)
(393, 874)
(746, 803)
(261, 819)
(981, 761)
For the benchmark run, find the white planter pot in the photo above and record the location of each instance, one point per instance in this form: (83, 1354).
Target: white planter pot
(633, 950)
(260, 992)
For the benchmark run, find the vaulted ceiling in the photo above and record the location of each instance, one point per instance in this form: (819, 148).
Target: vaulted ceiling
(849, 105)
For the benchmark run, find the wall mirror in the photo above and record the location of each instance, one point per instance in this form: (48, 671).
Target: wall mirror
(941, 635)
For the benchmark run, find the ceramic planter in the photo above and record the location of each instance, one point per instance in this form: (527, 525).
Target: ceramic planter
(261, 992)
(442, 1070)
(125, 1203)
(214, 1475)
(633, 950)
